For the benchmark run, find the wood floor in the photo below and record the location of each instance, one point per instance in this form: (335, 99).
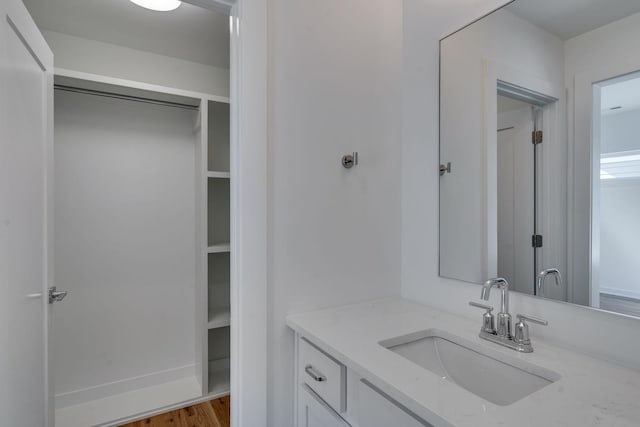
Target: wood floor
(214, 413)
(620, 304)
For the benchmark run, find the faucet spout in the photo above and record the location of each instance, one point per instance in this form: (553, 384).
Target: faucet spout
(504, 318)
(543, 275)
(501, 284)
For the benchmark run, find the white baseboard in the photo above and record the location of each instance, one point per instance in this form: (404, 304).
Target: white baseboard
(77, 397)
(164, 409)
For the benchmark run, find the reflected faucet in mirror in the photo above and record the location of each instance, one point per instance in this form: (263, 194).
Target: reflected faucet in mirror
(540, 280)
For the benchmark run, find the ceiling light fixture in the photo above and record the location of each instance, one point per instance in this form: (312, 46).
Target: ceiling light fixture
(159, 5)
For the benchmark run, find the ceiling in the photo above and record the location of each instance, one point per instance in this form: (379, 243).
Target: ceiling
(570, 18)
(623, 93)
(190, 33)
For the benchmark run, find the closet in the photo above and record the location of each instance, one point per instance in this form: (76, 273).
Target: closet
(142, 220)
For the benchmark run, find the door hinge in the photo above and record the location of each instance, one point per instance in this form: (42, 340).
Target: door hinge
(536, 240)
(536, 137)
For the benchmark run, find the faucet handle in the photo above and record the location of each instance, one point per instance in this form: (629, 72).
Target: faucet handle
(488, 320)
(483, 306)
(533, 319)
(521, 333)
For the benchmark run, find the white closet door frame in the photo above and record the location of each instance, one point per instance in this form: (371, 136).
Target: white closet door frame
(249, 107)
(249, 189)
(223, 6)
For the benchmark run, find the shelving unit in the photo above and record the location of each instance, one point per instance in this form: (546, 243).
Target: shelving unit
(218, 137)
(218, 208)
(218, 175)
(219, 376)
(217, 179)
(218, 277)
(221, 247)
(219, 361)
(219, 318)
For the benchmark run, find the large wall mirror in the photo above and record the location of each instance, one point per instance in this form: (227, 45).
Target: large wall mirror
(540, 151)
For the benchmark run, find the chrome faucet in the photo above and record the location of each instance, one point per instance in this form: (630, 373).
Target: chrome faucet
(543, 275)
(504, 318)
(519, 341)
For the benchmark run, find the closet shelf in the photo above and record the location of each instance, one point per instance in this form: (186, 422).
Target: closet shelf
(219, 317)
(220, 247)
(219, 376)
(217, 174)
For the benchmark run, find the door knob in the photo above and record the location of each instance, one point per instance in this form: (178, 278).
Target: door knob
(56, 295)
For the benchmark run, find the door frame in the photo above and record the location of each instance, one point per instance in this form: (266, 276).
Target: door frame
(249, 114)
(249, 189)
(494, 71)
(584, 179)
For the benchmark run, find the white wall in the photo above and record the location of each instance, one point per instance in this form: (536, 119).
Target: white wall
(125, 244)
(600, 47)
(596, 333)
(334, 233)
(90, 56)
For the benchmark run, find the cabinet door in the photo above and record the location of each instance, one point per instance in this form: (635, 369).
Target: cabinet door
(376, 410)
(313, 412)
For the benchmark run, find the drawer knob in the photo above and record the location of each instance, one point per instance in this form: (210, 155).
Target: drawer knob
(313, 373)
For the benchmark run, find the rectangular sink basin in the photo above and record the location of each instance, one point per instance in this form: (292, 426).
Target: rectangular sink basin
(488, 374)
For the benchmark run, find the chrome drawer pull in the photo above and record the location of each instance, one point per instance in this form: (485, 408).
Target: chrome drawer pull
(317, 376)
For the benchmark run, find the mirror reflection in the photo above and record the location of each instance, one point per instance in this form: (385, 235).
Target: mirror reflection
(540, 154)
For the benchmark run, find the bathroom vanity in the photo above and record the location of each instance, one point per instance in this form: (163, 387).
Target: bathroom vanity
(355, 366)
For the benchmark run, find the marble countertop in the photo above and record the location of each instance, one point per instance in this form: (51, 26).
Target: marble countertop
(590, 392)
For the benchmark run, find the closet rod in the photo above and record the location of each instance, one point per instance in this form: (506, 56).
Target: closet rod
(125, 97)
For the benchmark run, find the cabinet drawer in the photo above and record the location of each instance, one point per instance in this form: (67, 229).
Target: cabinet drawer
(323, 374)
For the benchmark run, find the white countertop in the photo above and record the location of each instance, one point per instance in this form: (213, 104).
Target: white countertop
(591, 392)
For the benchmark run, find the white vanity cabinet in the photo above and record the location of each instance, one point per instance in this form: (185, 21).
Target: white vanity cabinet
(377, 410)
(329, 394)
(315, 412)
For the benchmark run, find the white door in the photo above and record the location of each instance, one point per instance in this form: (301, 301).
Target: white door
(26, 113)
(516, 197)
